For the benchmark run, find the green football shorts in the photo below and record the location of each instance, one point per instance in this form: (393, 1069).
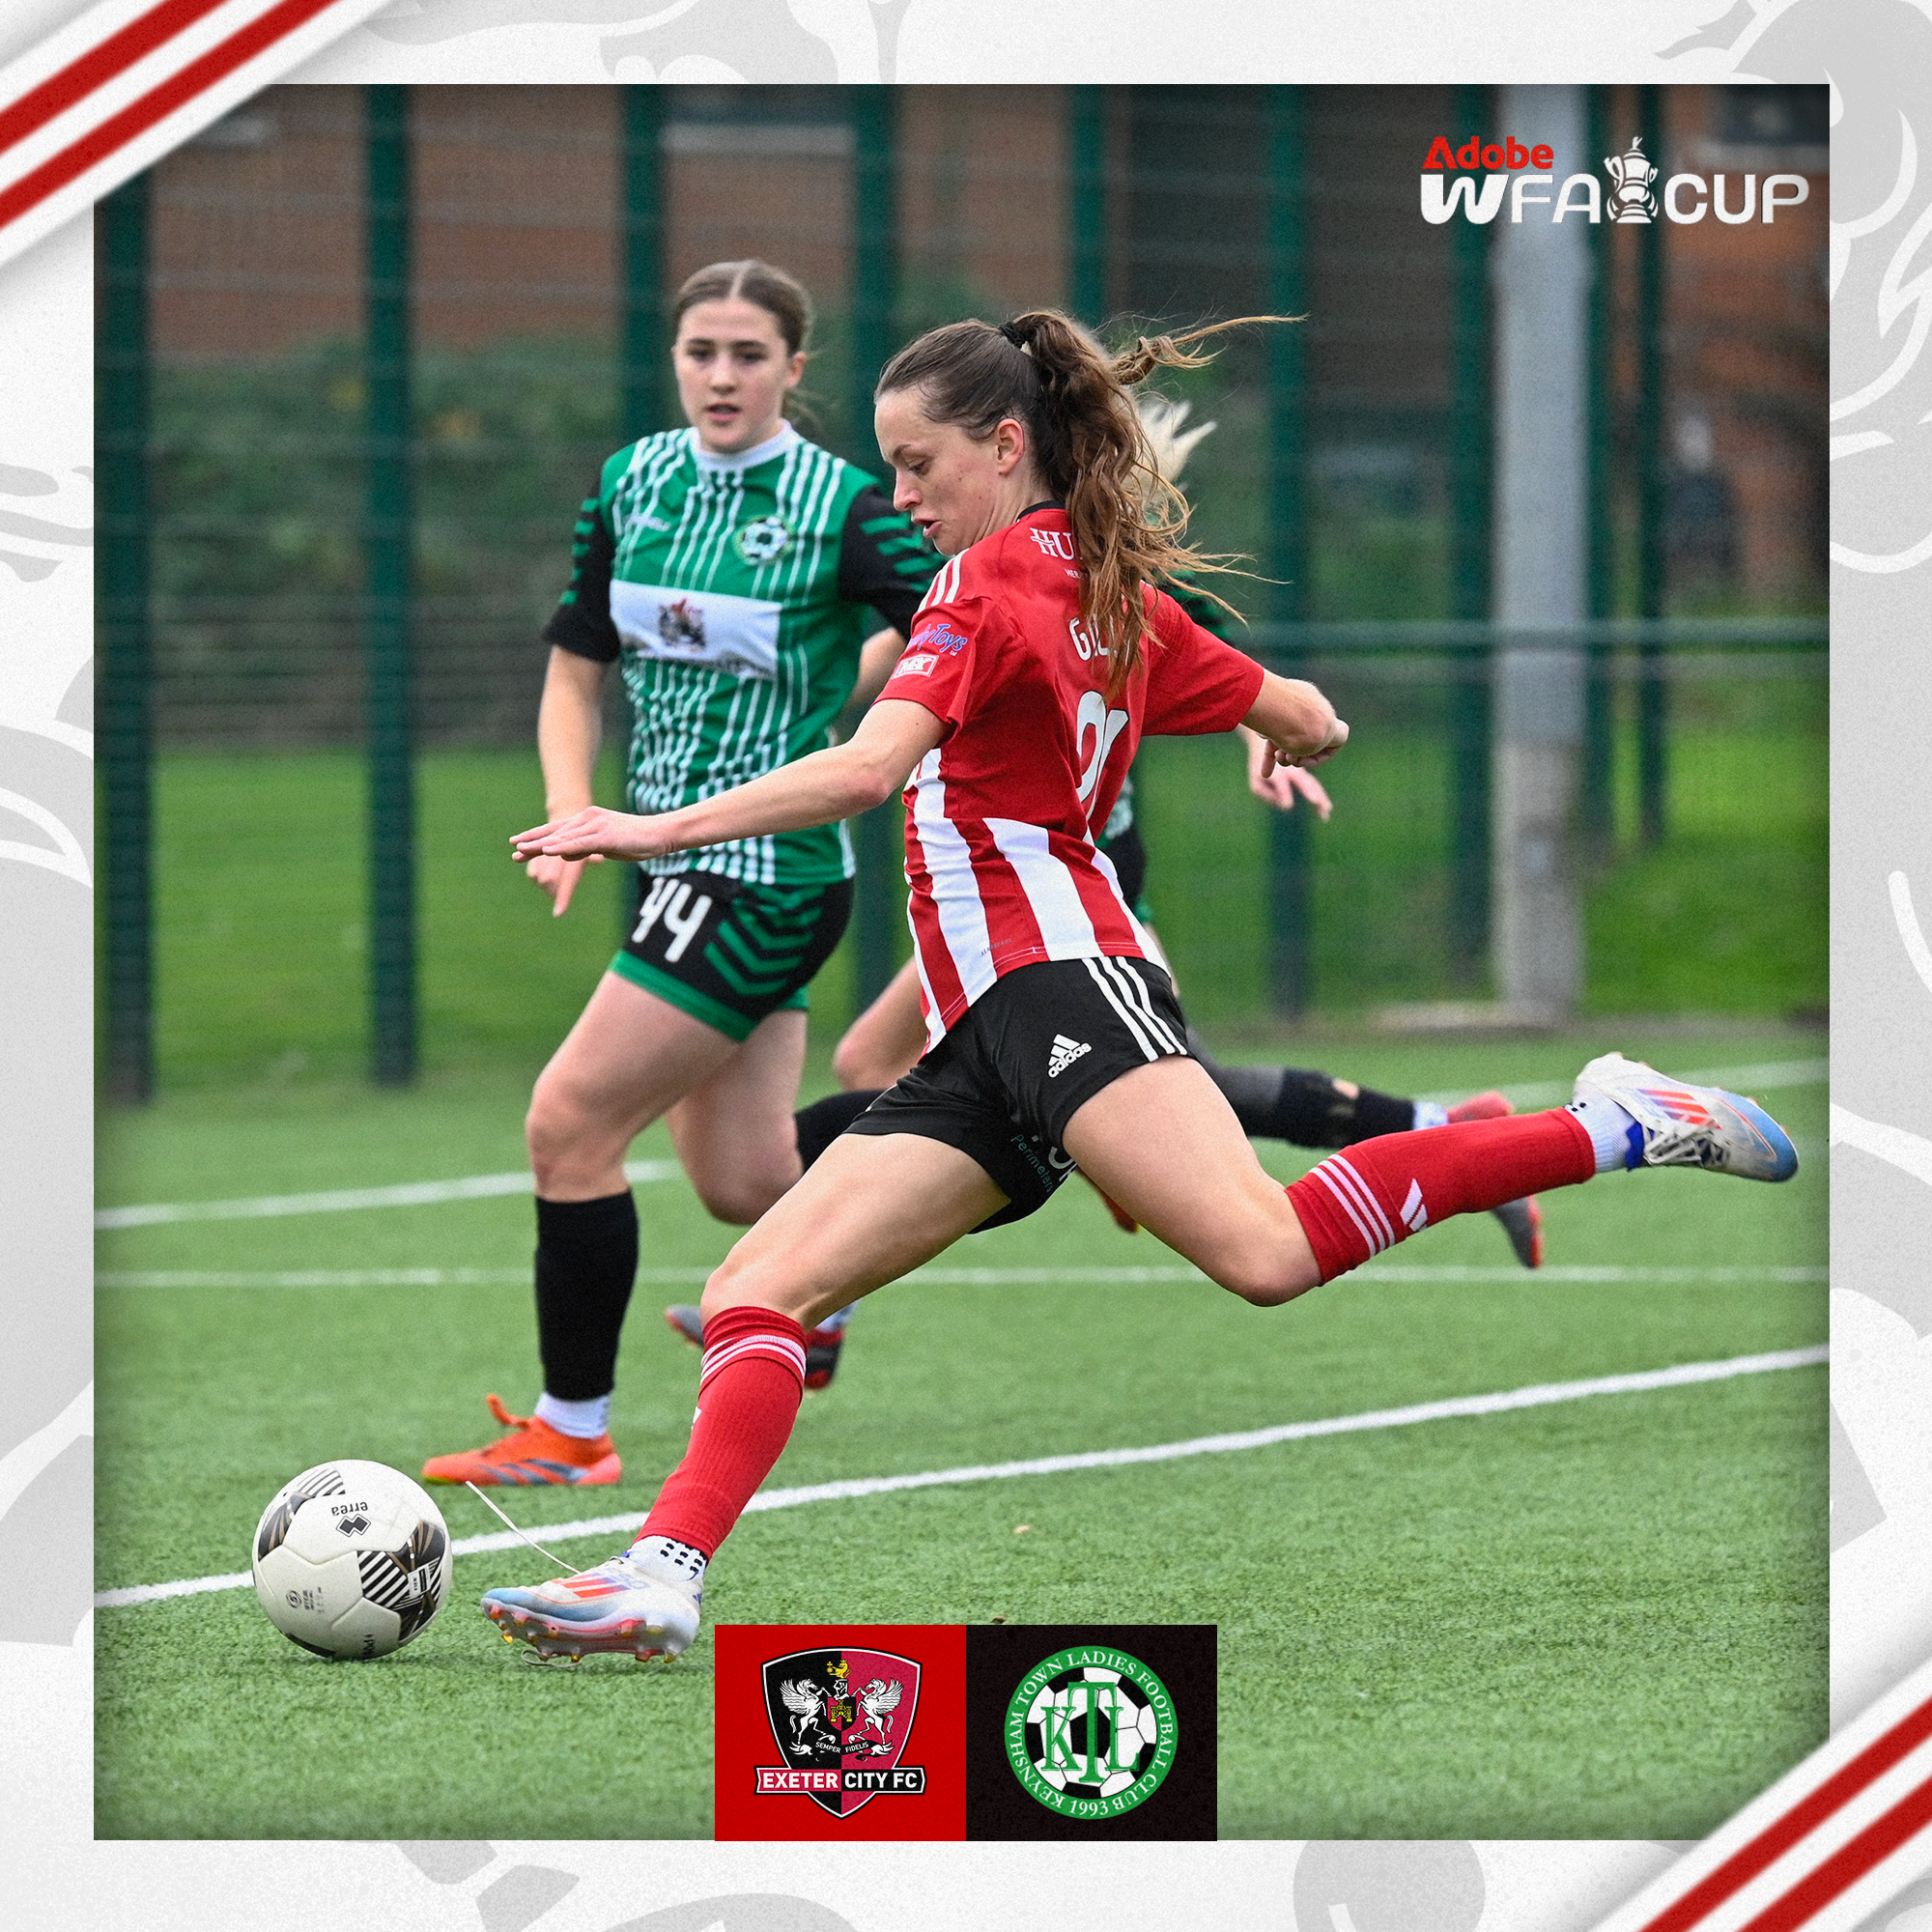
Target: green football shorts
(725, 953)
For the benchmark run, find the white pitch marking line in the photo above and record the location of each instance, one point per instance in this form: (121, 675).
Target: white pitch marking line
(340, 1200)
(484, 1186)
(1537, 1395)
(950, 1277)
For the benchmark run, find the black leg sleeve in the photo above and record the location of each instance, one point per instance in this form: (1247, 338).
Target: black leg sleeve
(824, 1120)
(586, 1262)
(1342, 1121)
(1309, 1109)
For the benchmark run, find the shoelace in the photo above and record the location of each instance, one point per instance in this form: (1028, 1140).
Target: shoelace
(1685, 1144)
(507, 1448)
(504, 1416)
(515, 1531)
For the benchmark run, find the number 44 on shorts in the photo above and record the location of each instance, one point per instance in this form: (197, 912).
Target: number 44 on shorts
(671, 901)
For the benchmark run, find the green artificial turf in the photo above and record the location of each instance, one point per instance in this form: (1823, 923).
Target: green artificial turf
(1602, 1619)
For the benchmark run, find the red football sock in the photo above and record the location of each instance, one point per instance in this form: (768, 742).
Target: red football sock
(1380, 1192)
(748, 1395)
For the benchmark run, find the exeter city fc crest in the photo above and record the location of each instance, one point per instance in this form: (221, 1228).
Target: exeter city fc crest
(840, 1718)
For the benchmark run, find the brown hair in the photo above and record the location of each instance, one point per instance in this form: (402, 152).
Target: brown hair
(1044, 370)
(781, 296)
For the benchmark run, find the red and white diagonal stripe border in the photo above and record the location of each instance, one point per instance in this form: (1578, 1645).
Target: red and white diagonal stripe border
(1824, 1848)
(129, 80)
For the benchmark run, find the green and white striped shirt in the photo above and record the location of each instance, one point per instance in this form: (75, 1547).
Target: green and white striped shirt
(733, 591)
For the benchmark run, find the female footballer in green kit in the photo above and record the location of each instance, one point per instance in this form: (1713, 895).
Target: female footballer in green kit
(728, 570)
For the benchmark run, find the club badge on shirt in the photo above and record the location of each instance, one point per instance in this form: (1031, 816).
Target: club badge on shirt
(763, 540)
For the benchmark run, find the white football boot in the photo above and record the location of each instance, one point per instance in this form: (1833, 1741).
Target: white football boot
(619, 1606)
(1692, 1126)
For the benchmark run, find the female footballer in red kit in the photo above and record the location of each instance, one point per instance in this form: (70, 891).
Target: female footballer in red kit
(1043, 651)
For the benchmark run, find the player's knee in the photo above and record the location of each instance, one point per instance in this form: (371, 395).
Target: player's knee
(1265, 1277)
(728, 1288)
(852, 1065)
(738, 1198)
(753, 1275)
(739, 1176)
(716, 1297)
(548, 1130)
(565, 1139)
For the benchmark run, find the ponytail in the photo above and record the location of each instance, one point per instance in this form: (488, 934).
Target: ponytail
(1088, 445)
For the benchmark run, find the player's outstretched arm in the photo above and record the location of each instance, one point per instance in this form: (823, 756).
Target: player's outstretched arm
(832, 784)
(1298, 723)
(569, 726)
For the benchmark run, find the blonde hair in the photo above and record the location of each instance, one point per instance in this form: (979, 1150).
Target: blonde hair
(1089, 442)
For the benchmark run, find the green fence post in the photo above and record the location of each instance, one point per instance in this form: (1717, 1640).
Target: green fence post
(1471, 485)
(1087, 203)
(121, 567)
(1291, 895)
(641, 401)
(392, 966)
(1653, 488)
(874, 299)
(1597, 807)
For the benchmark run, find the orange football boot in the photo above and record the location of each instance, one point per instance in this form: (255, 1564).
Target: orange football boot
(533, 1454)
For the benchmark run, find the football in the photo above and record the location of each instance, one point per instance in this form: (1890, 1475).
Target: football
(1131, 1726)
(351, 1560)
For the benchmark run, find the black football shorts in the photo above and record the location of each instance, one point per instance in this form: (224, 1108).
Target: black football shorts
(1037, 1045)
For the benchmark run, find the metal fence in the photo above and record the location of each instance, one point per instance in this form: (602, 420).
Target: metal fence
(361, 350)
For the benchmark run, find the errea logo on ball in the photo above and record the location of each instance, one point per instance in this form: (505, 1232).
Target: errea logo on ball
(1627, 194)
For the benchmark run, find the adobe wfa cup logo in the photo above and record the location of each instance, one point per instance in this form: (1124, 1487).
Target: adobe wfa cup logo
(1631, 200)
(840, 1718)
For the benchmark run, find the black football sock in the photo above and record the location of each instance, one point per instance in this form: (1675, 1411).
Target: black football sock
(824, 1120)
(587, 1260)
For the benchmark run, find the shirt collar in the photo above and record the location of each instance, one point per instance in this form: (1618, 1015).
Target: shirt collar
(745, 459)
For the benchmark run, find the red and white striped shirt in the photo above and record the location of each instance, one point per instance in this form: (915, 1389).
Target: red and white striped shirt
(1003, 815)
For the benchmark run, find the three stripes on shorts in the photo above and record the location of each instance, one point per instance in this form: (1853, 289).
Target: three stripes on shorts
(1124, 990)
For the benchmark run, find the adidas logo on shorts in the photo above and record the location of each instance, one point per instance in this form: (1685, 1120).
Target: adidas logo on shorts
(1064, 1053)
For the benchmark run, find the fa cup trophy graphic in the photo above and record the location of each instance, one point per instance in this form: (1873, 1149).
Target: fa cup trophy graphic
(1632, 199)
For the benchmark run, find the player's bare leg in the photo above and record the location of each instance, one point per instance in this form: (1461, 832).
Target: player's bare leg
(843, 1231)
(733, 1132)
(743, 1146)
(886, 1039)
(630, 1058)
(1215, 1204)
